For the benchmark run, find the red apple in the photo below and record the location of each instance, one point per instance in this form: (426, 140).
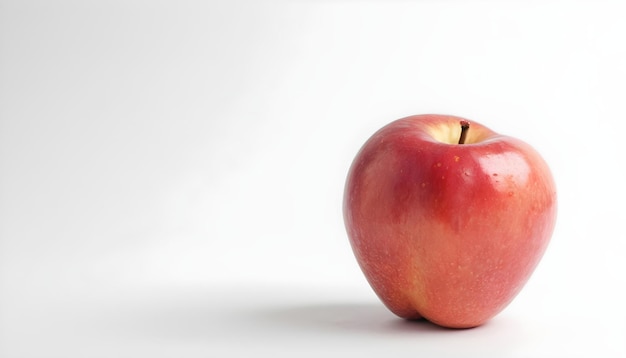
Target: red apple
(448, 223)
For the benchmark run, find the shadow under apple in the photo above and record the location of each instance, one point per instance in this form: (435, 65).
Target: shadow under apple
(239, 323)
(366, 318)
(374, 323)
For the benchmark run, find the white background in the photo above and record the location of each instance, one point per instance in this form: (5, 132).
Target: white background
(171, 172)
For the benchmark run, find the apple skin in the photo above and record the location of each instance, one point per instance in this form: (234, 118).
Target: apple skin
(445, 231)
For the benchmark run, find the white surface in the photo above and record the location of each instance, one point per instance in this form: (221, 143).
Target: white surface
(171, 172)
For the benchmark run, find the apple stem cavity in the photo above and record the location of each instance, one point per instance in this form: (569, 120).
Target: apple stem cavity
(464, 127)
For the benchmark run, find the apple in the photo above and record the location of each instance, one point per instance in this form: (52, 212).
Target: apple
(448, 219)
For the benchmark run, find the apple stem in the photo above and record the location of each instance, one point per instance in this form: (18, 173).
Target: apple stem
(464, 127)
